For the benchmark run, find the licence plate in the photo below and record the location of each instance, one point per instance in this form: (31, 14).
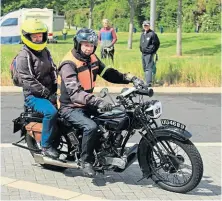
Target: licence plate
(173, 123)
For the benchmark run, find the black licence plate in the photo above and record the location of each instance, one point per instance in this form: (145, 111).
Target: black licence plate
(173, 123)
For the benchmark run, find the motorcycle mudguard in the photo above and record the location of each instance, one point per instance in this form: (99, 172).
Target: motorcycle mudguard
(173, 132)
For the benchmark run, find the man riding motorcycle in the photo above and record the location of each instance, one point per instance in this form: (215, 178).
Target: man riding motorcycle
(78, 71)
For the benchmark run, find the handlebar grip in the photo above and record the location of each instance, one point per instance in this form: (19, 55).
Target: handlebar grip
(148, 92)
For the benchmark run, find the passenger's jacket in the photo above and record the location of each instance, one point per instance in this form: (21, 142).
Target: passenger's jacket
(78, 77)
(149, 42)
(42, 69)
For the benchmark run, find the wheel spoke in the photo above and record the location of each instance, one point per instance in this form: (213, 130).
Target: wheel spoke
(177, 170)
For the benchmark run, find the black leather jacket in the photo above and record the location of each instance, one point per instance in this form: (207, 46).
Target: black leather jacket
(44, 74)
(149, 42)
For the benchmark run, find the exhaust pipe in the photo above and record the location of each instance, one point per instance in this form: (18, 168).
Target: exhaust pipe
(40, 159)
(131, 156)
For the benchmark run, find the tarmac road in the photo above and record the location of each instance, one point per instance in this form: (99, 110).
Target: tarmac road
(201, 113)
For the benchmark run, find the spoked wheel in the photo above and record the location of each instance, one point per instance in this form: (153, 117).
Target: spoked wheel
(63, 147)
(181, 168)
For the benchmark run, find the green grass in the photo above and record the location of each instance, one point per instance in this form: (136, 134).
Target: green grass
(199, 65)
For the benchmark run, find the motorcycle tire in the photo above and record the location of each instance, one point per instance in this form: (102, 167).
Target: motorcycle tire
(145, 160)
(31, 143)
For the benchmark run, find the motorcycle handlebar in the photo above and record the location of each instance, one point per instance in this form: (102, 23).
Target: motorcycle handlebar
(148, 92)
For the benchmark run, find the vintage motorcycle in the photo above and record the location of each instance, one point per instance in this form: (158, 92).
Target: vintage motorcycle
(165, 154)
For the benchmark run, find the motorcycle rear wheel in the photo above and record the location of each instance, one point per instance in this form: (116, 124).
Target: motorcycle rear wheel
(31, 143)
(150, 162)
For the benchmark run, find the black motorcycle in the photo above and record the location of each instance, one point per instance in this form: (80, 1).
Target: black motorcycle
(165, 153)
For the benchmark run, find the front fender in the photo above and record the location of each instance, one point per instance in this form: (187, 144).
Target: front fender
(171, 131)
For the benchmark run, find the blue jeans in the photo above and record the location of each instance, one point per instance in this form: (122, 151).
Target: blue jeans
(45, 107)
(80, 119)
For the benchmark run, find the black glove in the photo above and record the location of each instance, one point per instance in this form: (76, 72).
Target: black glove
(54, 88)
(105, 106)
(53, 99)
(45, 93)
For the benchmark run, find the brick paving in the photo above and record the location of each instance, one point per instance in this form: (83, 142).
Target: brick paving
(18, 164)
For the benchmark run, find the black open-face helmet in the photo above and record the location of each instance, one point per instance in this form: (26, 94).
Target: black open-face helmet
(85, 35)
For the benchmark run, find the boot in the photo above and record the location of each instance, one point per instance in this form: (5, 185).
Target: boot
(87, 169)
(50, 152)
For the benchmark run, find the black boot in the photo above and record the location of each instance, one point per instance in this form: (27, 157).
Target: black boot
(50, 152)
(87, 169)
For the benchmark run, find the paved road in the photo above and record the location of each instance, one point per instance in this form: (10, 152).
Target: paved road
(200, 112)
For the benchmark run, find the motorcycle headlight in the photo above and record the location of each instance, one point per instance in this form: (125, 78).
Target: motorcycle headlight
(154, 109)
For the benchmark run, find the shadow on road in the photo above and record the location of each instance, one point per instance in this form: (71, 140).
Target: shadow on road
(133, 174)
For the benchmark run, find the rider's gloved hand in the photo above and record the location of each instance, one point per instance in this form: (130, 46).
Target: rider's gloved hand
(129, 77)
(137, 82)
(53, 98)
(105, 106)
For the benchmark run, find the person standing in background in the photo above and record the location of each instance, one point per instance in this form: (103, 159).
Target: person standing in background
(64, 33)
(149, 44)
(107, 38)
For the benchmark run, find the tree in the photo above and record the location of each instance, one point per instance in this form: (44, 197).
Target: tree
(92, 4)
(131, 25)
(179, 28)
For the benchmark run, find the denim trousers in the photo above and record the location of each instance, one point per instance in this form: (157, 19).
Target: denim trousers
(49, 112)
(80, 119)
(148, 63)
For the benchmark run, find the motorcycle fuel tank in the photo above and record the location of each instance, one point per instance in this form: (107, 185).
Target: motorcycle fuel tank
(114, 120)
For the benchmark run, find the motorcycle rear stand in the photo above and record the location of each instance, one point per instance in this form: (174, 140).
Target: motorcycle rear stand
(24, 147)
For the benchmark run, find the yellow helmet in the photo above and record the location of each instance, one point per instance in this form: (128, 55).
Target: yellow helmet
(32, 26)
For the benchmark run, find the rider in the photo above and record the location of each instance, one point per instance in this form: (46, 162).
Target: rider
(78, 71)
(40, 82)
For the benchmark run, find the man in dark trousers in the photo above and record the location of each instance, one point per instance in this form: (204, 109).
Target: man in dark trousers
(79, 70)
(149, 44)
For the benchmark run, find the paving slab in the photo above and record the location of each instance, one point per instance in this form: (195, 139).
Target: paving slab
(71, 185)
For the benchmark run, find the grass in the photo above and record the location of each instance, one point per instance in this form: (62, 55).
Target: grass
(199, 65)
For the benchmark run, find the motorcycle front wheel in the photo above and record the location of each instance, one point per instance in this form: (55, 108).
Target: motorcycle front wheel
(181, 168)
